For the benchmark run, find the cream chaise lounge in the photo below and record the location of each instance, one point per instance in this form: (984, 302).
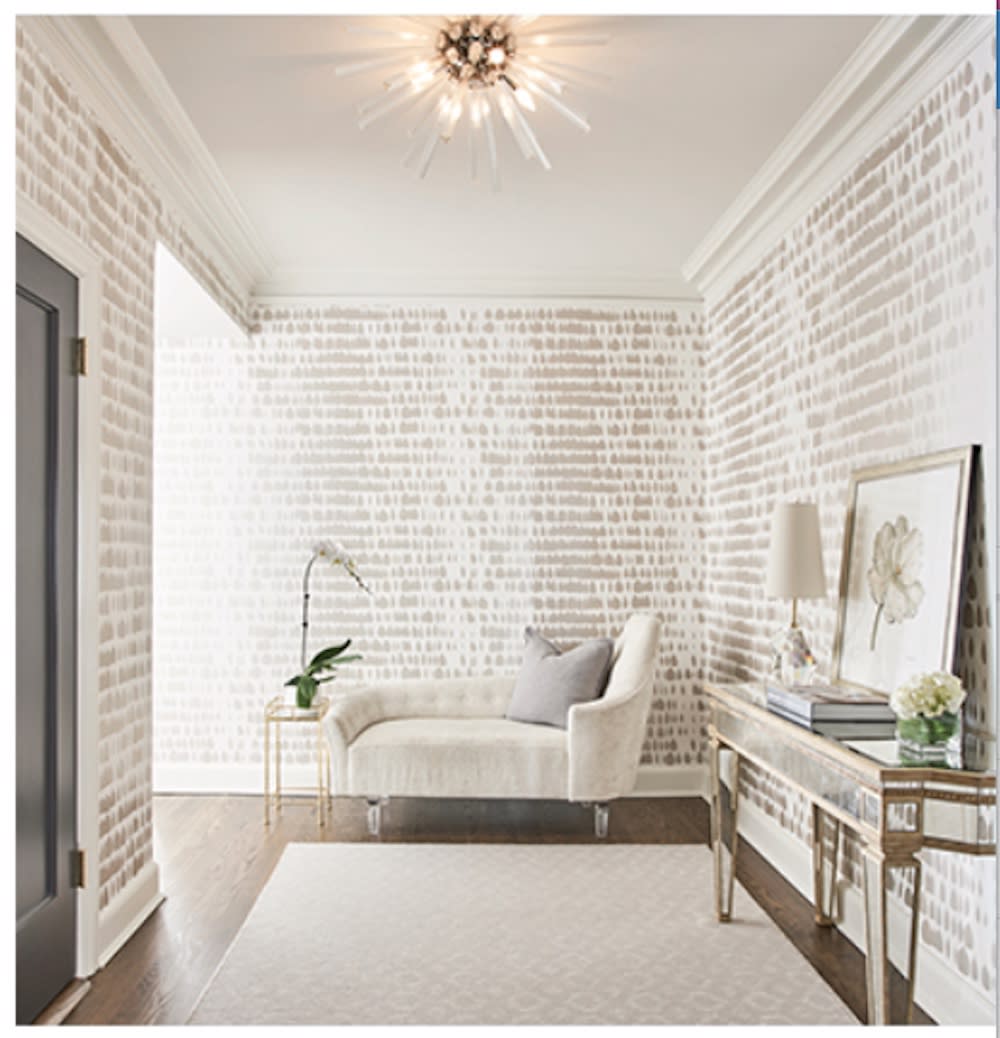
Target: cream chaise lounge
(450, 738)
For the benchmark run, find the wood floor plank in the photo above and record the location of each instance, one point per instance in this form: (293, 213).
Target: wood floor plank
(215, 856)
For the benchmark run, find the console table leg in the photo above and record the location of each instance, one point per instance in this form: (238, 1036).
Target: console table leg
(724, 882)
(876, 947)
(825, 866)
(911, 973)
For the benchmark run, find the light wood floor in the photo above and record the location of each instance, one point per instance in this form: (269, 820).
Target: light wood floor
(215, 856)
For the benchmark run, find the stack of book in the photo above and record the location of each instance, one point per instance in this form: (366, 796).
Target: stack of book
(841, 713)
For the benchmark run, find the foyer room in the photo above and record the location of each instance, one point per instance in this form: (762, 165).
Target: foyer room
(506, 519)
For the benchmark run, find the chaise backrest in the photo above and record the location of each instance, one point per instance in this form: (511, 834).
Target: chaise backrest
(634, 657)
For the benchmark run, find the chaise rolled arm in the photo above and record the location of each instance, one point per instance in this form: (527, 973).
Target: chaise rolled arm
(606, 735)
(602, 763)
(353, 711)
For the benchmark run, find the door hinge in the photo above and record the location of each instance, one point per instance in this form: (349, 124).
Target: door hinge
(82, 361)
(78, 867)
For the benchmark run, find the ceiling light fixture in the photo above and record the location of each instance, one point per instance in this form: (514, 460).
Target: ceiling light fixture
(481, 68)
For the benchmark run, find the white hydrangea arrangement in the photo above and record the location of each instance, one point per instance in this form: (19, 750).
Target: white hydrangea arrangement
(928, 695)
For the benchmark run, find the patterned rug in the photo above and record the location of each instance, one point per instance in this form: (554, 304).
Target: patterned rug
(508, 934)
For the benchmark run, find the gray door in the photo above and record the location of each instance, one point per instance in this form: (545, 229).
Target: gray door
(46, 401)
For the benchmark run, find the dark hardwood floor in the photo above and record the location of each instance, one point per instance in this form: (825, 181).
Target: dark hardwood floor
(215, 857)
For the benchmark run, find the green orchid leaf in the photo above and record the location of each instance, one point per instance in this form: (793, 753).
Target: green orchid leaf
(335, 663)
(327, 654)
(292, 681)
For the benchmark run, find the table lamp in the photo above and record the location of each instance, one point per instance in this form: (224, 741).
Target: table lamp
(794, 570)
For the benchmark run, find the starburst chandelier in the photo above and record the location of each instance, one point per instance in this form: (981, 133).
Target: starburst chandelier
(473, 73)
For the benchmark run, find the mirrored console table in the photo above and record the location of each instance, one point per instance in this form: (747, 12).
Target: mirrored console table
(895, 809)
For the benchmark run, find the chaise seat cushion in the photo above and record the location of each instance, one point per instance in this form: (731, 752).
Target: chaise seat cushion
(459, 757)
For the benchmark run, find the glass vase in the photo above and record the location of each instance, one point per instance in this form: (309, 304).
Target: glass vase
(929, 740)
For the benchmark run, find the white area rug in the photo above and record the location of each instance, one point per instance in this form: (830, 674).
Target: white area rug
(508, 934)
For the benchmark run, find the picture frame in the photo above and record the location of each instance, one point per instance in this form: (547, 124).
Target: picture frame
(901, 570)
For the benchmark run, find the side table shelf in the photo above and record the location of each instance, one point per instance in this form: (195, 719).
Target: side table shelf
(278, 713)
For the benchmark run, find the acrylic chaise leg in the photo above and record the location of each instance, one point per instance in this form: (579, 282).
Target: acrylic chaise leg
(375, 815)
(601, 820)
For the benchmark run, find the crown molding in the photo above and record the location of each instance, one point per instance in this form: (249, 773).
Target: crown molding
(893, 69)
(310, 283)
(379, 304)
(115, 75)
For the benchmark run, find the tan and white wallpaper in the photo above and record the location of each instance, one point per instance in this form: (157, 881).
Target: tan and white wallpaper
(68, 165)
(493, 464)
(490, 465)
(866, 335)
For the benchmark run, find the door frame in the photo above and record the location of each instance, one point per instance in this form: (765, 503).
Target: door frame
(42, 230)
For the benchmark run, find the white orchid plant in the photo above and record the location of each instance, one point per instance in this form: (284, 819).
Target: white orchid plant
(323, 666)
(928, 695)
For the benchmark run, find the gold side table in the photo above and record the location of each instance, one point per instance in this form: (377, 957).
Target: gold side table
(276, 714)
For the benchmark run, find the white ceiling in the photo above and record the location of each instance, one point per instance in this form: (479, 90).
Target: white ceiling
(689, 111)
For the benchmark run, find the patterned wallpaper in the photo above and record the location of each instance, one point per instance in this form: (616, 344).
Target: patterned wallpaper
(490, 465)
(866, 335)
(69, 166)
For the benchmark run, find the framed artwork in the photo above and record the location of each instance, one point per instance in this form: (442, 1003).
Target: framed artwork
(901, 570)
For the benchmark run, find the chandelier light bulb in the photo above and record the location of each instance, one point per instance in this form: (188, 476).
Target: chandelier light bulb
(476, 60)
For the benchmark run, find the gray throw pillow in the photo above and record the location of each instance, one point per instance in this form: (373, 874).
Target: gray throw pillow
(550, 681)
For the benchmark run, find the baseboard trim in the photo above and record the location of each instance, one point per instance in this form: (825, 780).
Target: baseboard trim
(127, 912)
(63, 1004)
(651, 781)
(227, 778)
(659, 780)
(941, 992)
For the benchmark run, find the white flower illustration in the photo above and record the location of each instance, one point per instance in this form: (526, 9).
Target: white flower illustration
(892, 578)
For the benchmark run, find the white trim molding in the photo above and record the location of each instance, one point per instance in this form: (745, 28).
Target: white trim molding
(385, 283)
(660, 780)
(947, 996)
(52, 238)
(115, 75)
(651, 781)
(385, 304)
(128, 911)
(898, 64)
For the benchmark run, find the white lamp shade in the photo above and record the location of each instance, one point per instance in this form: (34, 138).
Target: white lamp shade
(795, 560)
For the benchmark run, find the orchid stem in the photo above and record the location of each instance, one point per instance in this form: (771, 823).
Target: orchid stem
(305, 607)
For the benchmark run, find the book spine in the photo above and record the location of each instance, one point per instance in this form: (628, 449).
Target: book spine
(853, 712)
(789, 703)
(802, 722)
